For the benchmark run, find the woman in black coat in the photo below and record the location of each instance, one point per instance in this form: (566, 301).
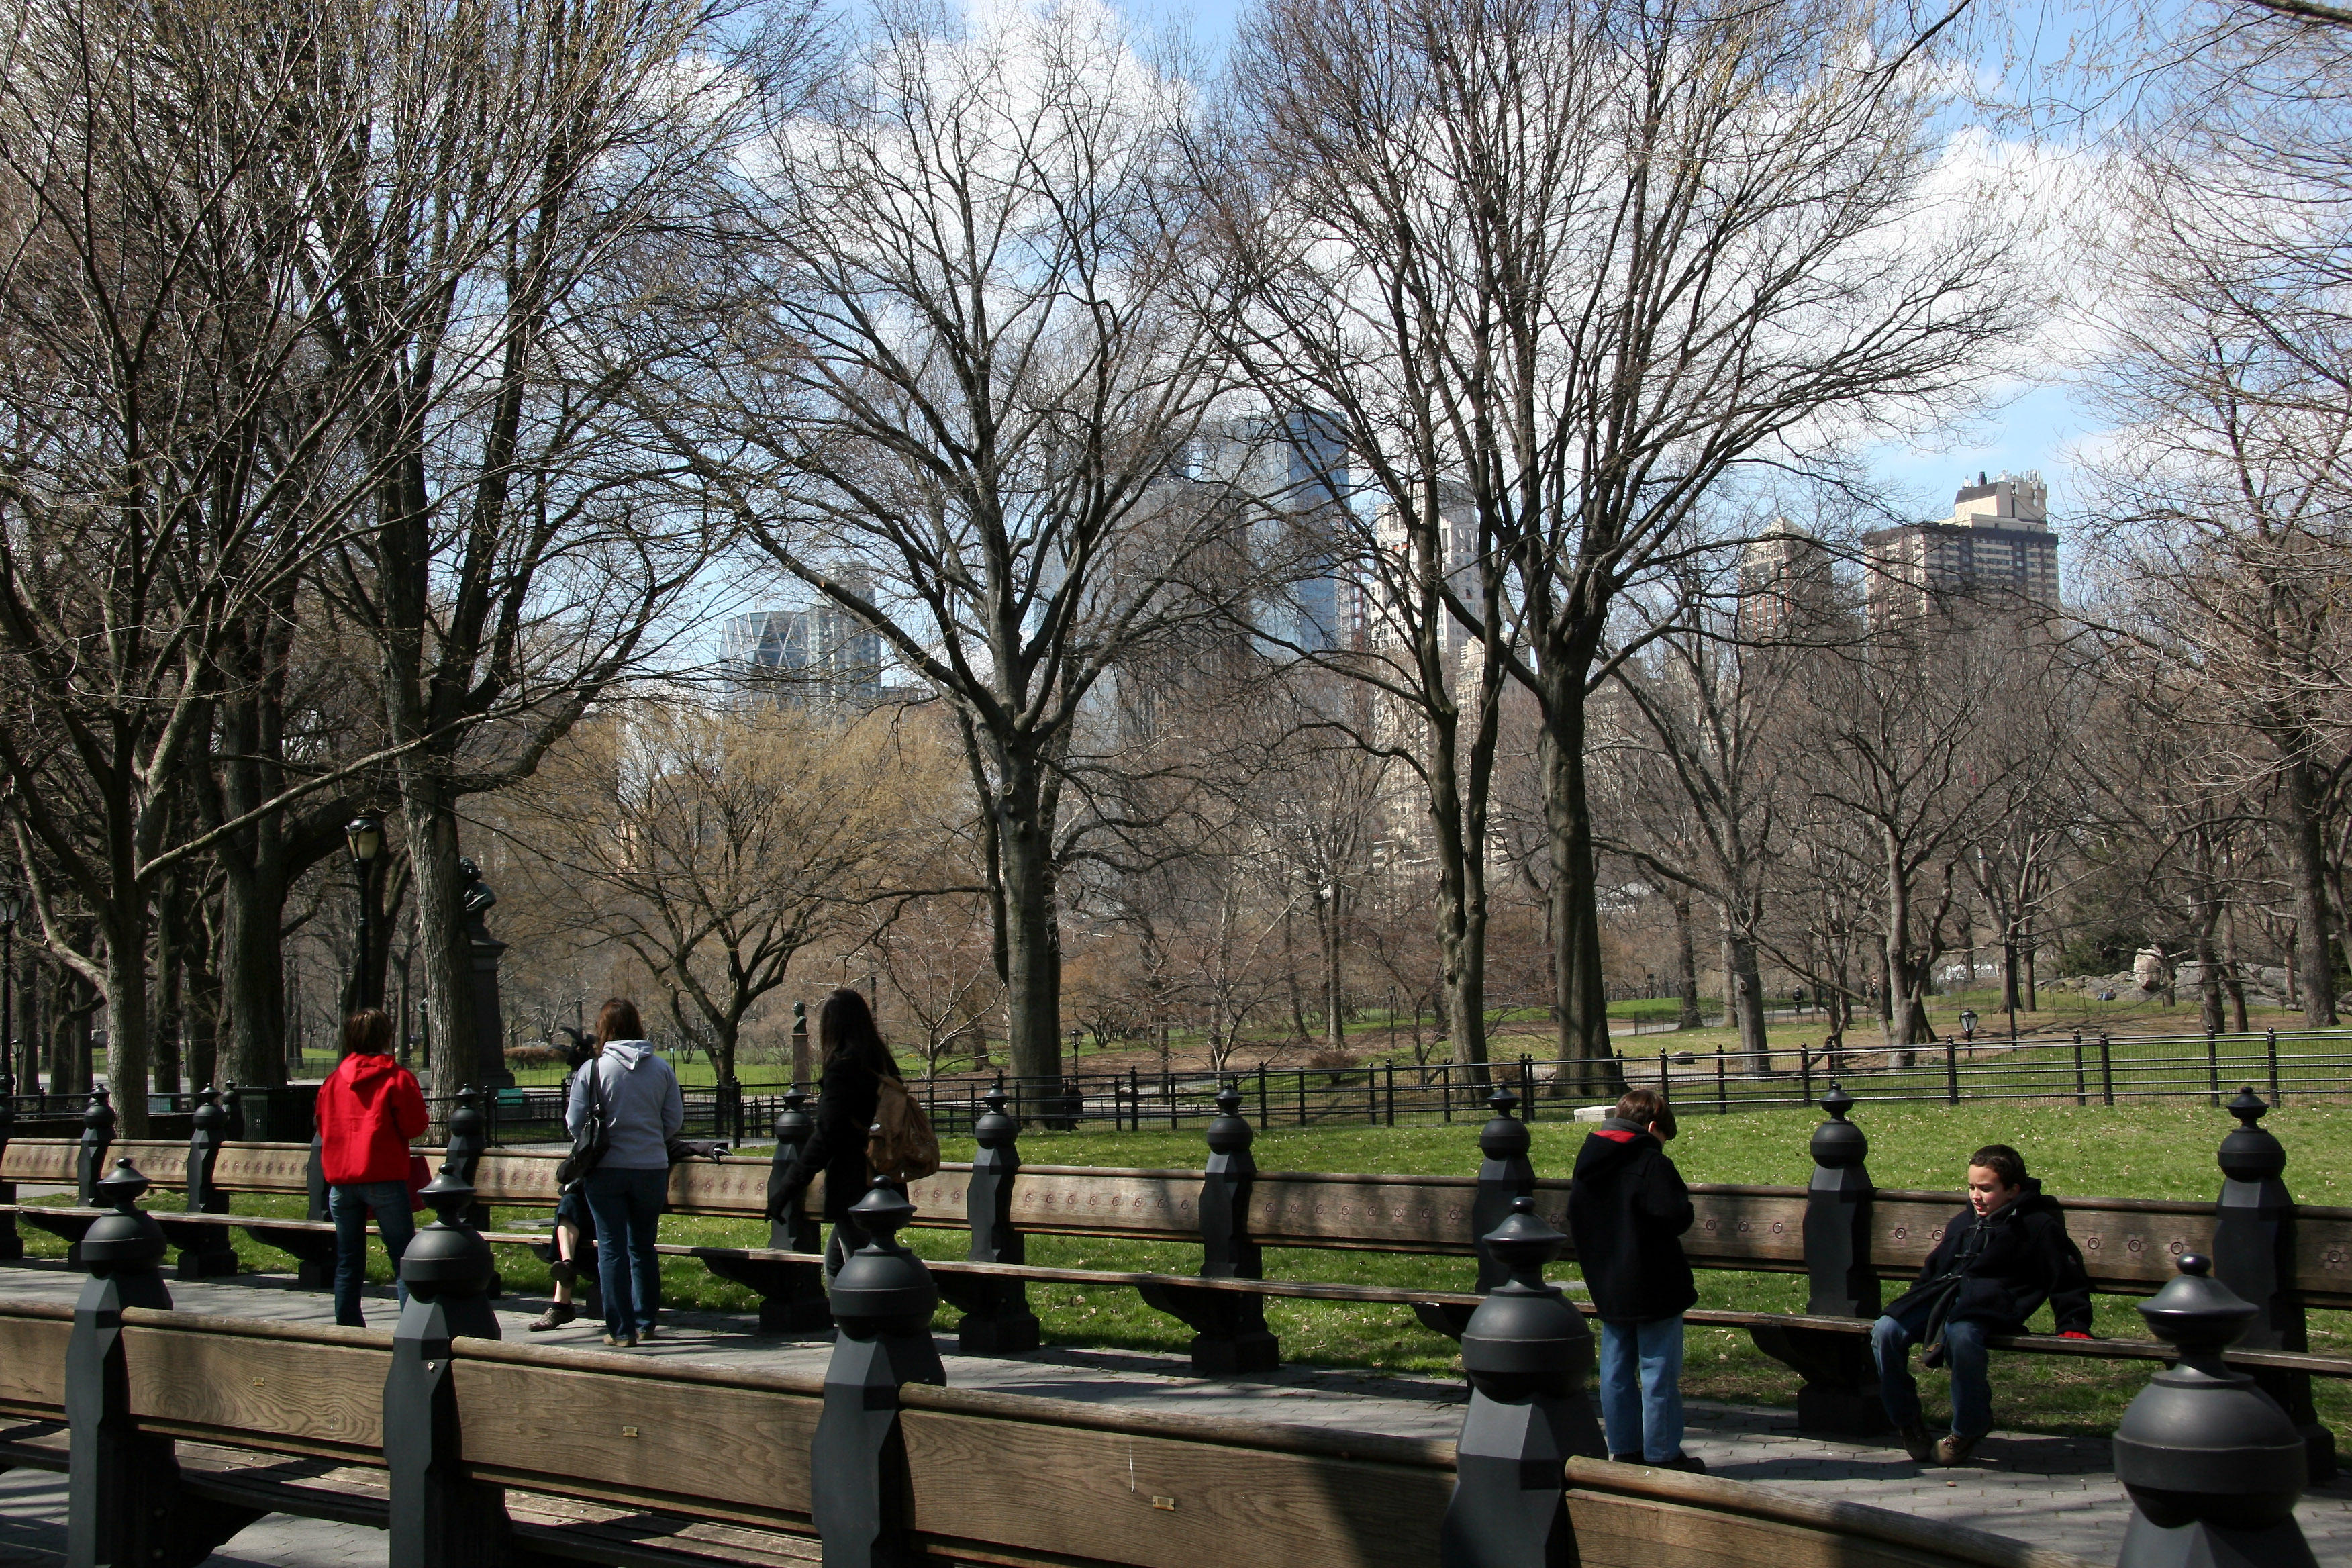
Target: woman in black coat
(855, 1062)
(1628, 1209)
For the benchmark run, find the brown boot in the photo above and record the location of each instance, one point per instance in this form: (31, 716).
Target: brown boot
(1952, 1450)
(1917, 1443)
(555, 1316)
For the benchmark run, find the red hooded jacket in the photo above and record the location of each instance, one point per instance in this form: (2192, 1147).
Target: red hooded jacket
(369, 1108)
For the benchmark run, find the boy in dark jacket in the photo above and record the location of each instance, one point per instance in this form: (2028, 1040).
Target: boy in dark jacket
(1627, 1211)
(2001, 1259)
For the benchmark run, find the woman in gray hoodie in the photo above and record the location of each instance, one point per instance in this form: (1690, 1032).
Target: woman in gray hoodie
(643, 1111)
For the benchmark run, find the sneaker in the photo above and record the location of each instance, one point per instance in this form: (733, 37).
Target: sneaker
(1917, 1443)
(555, 1316)
(621, 1342)
(646, 1332)
(1625, 1458)
(1689, 1464)
(1953, 1449)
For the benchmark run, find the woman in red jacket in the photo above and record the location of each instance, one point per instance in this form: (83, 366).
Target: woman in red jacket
(369, 1108)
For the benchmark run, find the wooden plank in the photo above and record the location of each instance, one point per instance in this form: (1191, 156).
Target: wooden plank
(1743, 1228)
(702, 1446)
(49, 1160)
(1629, 1532)
(33, 1363)
(1108, 1203)
(263, 1168)
(1418, 1217)
(1161, 1502)
(195, 1380)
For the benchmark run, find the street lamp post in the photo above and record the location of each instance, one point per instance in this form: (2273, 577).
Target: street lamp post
(12, 905)
(365, 837)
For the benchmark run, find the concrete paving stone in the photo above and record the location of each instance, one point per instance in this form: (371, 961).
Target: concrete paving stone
(2052, 1490)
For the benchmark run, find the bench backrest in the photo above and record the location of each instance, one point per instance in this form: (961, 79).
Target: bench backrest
(996, 1478)
(2129, 1245)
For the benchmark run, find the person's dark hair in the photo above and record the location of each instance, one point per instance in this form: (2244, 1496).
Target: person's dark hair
(846, 1024)
(2007, 1165)
(368, 1032)
(618, 1020)
(1649, 1108)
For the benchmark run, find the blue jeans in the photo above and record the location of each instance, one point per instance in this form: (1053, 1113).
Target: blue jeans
(1891, 1339)
(1641, 1388)
(349, 1206)
(627, 1206)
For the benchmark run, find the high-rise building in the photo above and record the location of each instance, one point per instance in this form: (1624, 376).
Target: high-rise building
(1786, 589)
(820, 657)
(1290, 470)
(1996, 552)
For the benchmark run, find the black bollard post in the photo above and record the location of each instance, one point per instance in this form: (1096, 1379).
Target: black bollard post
(441, 1518)
(2254, 1255)
(12, 1246)
(861, 1494)
(1505, 1176)
(96, 1136)
(791, 1295)
(1527, 1353)
(997, 1319)
(1840, 1394)
(213, 1252)
(2213, 1465)
(468, 1142)
(124, 1505)
(1229, 1331)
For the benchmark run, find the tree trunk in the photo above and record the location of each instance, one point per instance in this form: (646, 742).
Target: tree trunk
(1335, 999)
(1744, 985)
(127, 1017)
(253, 972)
(2308, 859)
(1579, 994)
(429, 814)
(1685, 964)
(171, 999)
(1897, 958)
(1033, 955)
(2209, 978)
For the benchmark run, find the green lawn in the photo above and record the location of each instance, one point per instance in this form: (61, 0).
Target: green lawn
(2137, 1151)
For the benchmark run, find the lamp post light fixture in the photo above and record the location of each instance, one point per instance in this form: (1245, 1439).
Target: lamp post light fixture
(1969, 1025)
(365, 837)
(12, 907)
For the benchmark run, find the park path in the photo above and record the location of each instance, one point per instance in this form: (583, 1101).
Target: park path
(2058, 1492)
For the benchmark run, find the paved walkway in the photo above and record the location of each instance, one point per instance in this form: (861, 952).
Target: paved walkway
(2052, 1491)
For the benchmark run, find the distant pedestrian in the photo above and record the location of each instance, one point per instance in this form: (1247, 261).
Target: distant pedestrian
(856, 1063)
(369, 1108)
(1627, 1211)
(643, 1111)
(2001, 1259)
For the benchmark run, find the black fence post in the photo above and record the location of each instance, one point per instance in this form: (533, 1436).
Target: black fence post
(1951, 1071)
(791, 1295)
(2212, 1070)
(1505, 1175)
(1840, 1394)
(1387, 1070)
(2106, 1072)
(213, 1252)
(1527, 1354)
(124, 1505)
(96, 1136)
(883, 1299)
(2254, 1255)
(2212, 1466)
(1229, 1331)
(2270, 1054)
(12, 1246)
(1302, 1097)
(1723, 1089)
(2081, 1085)
(1666, 1076)
(441, 1518)
(1262, 1119)
(997, 1319)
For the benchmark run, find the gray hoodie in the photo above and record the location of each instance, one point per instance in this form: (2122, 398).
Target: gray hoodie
(643, 1106)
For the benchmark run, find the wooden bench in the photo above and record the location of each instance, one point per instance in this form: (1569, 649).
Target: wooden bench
(592, 1457)
(1846, 1235)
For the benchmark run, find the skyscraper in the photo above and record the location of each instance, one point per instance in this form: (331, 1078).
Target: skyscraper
(820, 657)
(1995, 554)
(1787, 590)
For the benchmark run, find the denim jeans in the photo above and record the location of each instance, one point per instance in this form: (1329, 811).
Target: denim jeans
(1964, 1352)
(847, 1237)
(350, 1204)
(627, 1206)
(1641, 1388)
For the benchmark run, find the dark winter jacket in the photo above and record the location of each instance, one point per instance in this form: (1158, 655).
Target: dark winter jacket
(2000, 1269)
(1627, 1212)
(845, 1108)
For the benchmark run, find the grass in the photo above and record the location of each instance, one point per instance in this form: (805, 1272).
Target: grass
(2136, 1150)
